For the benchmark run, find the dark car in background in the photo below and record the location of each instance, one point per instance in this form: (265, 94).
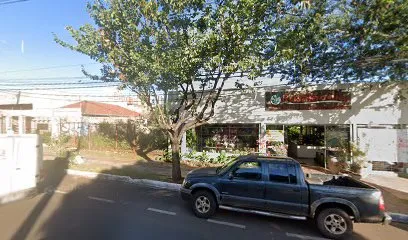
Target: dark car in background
(277, 187)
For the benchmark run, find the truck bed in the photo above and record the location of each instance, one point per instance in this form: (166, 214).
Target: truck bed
(336, 180)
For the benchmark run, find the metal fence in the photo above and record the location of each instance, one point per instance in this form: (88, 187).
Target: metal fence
(129, 135)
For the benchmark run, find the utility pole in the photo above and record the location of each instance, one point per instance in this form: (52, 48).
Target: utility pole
(80, 125)
(18, 97)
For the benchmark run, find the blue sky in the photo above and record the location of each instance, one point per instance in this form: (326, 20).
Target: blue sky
(34, 22)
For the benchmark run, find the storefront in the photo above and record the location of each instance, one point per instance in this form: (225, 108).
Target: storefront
(303, 122)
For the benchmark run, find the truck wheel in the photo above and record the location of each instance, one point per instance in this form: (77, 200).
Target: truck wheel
(203, 204)
(334, 223)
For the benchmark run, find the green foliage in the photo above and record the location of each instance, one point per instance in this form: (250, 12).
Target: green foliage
(60, 143)
(168, 46)
(337, 41)
(191, 139)
(46, 137)
(103, 142)
(347, 150)
(222, 158)
(203, 157)
(293, 133)
(355, 167)
(166, 157)
(191, 155)
(129, 135)
(155, 139)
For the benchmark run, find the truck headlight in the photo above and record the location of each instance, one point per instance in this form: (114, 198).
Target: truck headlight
(186, 183)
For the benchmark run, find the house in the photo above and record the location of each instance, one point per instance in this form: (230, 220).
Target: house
(97, 112)
(78, 117)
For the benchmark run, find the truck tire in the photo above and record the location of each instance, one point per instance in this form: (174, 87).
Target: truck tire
(334, 223)
(203, 204)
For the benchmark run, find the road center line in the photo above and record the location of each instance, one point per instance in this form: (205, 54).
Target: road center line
(304, 237)
(101, 199)
(161, 211)
(226, 223)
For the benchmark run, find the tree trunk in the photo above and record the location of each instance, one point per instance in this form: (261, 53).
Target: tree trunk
(175, 154)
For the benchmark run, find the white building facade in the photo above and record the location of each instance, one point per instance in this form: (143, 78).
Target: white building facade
(373, 116)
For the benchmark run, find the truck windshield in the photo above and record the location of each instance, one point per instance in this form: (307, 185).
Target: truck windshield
(222, 169)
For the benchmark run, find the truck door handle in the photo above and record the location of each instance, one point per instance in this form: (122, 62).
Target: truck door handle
(295, 190)
(18, 168)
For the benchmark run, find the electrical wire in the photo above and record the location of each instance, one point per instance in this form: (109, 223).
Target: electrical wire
(6, 2)
(64, 98)
(53, 84)
(44, 78)
(55, 88)
(46, 68)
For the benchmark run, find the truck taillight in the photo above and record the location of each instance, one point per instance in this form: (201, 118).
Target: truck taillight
(382, 204)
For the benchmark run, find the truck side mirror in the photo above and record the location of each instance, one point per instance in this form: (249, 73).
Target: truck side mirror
(230, 175)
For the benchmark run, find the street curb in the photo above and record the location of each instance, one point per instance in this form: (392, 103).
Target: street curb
(126, 179)
(398, 217)
(23, 194)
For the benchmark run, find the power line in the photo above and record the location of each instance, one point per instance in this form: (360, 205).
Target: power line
(42, 78)
(46, 68)
(63, 99)
(55, 88)
(53, 84)
(113, 85)
(76, 95)
(6, 2)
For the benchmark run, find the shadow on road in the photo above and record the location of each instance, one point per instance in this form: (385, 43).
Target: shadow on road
(97, 209)
(53, 177)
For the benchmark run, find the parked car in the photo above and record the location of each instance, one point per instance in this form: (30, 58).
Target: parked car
(277, 187)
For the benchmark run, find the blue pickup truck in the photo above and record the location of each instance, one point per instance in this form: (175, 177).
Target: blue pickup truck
(277, 187)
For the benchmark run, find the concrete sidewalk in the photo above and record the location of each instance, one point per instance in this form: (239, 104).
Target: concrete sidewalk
(388, 180)
(395, 192)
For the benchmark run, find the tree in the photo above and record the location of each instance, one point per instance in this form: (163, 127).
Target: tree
(186, 49)
(339, 41)
(180, 53)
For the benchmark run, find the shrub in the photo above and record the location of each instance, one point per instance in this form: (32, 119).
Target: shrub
(60, 143)
(223, 158)
(355, 167)
(46, 137)
(167, 156)
(203, 157)
(191, 155)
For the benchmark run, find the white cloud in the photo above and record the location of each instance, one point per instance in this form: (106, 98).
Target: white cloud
(22, 46)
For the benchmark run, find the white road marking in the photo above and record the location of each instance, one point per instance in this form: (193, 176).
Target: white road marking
(60, 192)
(101, 199)
(304, 237)
(161, 211)
(226, 223)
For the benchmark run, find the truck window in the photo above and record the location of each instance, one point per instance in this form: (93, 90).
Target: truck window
(248, 171)
(282, 173)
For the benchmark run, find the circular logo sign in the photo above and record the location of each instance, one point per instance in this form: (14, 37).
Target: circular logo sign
(276, 99)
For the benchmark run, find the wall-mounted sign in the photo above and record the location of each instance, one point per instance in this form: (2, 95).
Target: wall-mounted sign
(311, 100)
(275, 135)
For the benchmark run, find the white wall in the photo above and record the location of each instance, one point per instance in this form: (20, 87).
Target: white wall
(370, 105)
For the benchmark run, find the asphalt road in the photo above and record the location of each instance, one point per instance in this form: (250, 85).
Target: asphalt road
(98, 209)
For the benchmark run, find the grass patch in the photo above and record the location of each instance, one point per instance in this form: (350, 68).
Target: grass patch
(129, 171)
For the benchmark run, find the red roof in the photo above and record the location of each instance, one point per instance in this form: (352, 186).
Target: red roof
(102, 109)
